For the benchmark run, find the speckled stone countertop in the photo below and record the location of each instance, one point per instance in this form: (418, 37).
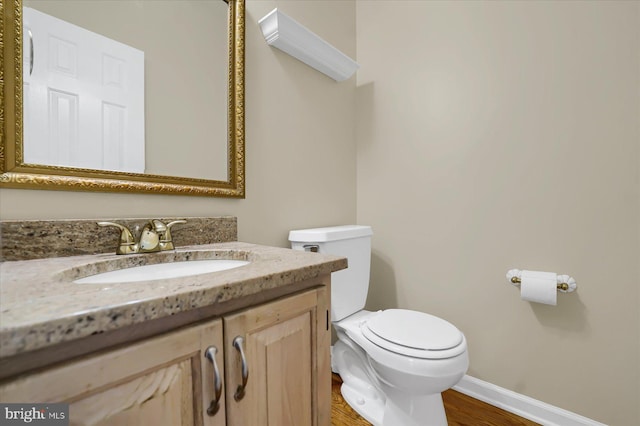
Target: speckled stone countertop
(41, 306)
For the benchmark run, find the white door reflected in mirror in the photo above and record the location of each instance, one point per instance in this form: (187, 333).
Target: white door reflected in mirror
(83, 97)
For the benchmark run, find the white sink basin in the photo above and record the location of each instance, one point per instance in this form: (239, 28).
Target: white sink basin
(162, 271)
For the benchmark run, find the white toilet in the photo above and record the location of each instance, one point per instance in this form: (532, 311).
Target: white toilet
(394, 363)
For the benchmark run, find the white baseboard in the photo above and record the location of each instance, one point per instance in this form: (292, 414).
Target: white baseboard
(521, 405)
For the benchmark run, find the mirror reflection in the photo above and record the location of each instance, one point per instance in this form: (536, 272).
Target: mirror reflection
(129, 86)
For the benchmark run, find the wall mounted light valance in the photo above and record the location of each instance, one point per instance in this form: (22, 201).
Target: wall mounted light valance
(291, 37)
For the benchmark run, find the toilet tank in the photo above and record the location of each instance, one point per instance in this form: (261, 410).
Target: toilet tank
(349, 287)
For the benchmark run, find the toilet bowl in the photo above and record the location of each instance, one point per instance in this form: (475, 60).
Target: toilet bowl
(393, 384)
(394, 363)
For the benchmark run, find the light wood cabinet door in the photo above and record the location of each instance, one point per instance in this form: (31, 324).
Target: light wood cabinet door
(165, 380)
(286, 350)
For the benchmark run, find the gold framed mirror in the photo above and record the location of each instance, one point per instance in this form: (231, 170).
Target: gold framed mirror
(16, 173)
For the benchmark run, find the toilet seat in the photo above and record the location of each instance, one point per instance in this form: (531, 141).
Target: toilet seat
(412, 333)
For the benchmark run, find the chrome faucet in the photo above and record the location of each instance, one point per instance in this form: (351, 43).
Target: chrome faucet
(155, 236)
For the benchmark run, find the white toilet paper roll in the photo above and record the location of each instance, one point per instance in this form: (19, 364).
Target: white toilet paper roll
(540, 287)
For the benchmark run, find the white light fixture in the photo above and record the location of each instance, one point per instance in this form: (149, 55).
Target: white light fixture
(286, 34)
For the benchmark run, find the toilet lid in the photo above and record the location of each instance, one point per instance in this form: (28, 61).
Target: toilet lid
(413, 333)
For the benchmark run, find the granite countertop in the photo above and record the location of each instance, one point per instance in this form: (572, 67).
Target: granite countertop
(41, 306)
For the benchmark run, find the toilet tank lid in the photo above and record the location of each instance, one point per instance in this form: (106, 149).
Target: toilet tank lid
(331, 233)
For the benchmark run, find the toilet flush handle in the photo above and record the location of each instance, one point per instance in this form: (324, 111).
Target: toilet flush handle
(311, 247)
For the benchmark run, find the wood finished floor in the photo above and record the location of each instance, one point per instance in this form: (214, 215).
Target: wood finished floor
(461, 411)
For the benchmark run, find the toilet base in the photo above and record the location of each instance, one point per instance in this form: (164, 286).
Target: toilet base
(368, 405)
(417, 411)
(381, 412)
(381, 407)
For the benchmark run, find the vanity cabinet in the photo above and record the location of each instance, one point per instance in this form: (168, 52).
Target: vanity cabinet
(169, 380)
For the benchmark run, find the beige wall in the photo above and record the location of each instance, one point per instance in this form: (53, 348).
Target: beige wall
(300, 151)
(499, 135)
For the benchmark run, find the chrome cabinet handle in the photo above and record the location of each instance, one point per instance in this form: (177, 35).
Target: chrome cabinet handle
(237, 343)
(210, 354)
(30, 52)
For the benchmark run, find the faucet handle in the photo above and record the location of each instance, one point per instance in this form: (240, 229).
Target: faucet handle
(127, 242)
(170, 224)
(166, 241)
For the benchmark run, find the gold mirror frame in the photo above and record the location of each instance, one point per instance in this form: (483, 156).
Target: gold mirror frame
(14, 173)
